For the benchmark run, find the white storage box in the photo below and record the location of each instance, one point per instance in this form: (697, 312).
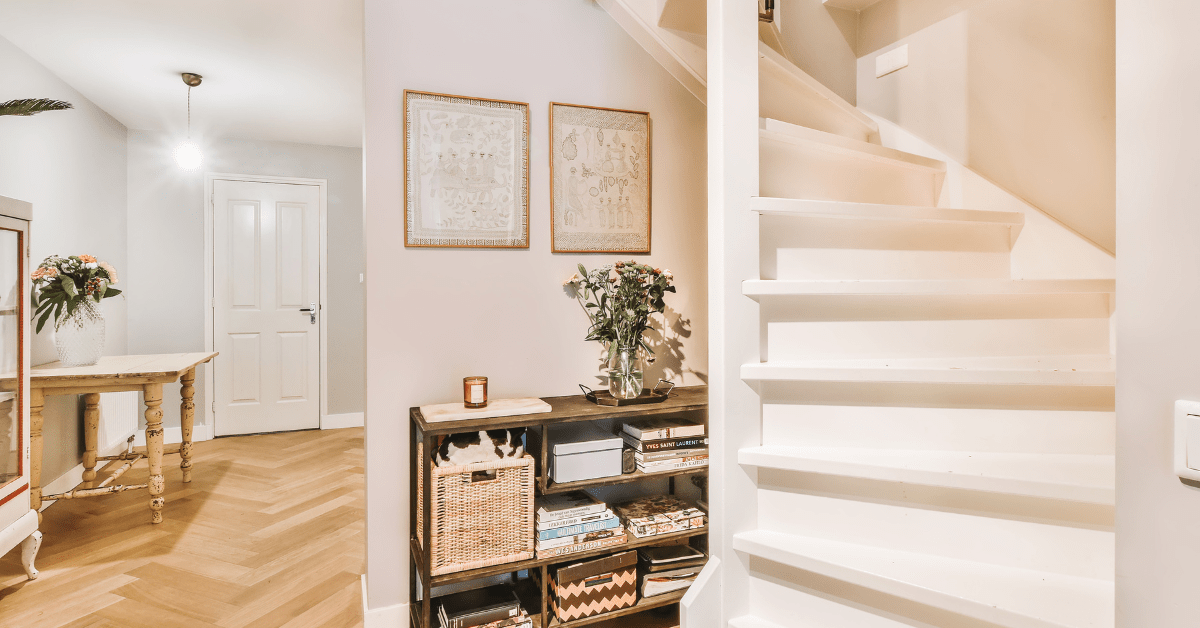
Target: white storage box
(585, 453)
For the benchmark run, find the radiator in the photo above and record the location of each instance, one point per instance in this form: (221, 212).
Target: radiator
(118, 420)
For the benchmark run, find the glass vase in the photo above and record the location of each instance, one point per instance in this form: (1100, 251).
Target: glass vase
(625, 376)
(79, 337)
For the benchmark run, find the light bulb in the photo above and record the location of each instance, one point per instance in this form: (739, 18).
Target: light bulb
(188, 156)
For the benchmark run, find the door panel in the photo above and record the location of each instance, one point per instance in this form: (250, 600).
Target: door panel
(266, 268)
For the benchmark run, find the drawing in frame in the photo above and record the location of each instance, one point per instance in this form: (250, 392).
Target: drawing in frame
(599, 180)
(466, 172)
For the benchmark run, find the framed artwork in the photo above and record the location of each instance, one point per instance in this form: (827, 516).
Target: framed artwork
(466, 172)
(599, 180)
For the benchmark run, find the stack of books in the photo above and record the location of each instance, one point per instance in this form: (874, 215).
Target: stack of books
(659, 514)
(666, 444)
(490, 607)
(669, 568)
(575, 522)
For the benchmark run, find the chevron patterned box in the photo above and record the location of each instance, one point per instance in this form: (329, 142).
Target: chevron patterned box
(594, 587)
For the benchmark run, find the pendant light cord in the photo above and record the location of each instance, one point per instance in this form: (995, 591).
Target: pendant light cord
(189, 113)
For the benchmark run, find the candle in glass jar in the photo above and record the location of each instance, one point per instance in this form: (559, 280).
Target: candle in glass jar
(475, 392)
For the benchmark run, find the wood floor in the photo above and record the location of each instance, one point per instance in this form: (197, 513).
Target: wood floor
(269, 534)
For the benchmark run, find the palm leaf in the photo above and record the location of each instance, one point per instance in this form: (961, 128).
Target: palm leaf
(30, 106)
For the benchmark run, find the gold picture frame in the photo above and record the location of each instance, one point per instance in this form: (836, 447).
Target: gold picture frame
(600, 180)
(466, 171)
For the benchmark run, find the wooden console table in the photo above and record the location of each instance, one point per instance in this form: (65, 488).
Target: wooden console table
(122, 373)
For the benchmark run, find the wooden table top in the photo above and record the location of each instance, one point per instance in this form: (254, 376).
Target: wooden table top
(119, 367)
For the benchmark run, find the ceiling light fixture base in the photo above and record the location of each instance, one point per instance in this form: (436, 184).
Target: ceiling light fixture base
(191, 80)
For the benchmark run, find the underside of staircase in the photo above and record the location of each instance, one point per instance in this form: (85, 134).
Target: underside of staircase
(917, 438)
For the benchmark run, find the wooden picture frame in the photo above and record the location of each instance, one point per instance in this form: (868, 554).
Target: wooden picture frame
(466, 172)
(600, 180)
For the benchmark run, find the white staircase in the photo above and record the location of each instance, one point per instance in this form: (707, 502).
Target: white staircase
(906, 431)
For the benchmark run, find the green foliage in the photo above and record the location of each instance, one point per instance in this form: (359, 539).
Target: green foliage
(31, 106)
(619, 300)
(60, 284)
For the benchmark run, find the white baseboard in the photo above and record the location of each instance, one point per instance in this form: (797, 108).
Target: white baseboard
(394, 616)
(338, 421)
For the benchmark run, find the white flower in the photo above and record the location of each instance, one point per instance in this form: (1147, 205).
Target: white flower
(573, 280)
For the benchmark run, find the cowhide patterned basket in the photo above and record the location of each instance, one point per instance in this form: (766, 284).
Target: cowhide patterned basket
(482, 513)
(594, 587)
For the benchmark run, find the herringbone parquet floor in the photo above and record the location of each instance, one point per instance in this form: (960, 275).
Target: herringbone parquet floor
(269, 534)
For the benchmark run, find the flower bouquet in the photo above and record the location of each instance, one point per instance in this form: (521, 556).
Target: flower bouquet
(69, 289)
(619, 299)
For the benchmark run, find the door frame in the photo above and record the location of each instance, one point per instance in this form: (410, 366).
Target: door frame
(210, 179)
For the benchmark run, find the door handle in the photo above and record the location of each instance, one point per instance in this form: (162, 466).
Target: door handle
(312, 313)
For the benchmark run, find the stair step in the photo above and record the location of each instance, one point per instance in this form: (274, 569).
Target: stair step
(777, 130)
(1006, 596)
(750, 621)
(877, 211)
(789, 94)
(1065, 370)
(853, 5)
(1072, 477)
(923, 288)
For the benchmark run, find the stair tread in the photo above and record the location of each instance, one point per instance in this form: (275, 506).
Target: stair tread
(1078, 477)
(926, 287)
(1007, 596)
(1062, 370)
(796, 134)
(768, 55)
(878, 211)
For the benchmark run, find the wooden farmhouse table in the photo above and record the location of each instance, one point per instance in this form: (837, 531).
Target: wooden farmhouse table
(120, 373)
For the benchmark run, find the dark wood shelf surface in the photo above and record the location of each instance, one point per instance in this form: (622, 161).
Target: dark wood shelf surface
(570, 410)
(521, 565)
(636, 476)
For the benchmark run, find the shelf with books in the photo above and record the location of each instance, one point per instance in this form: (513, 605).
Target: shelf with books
(545, 561)
(684, 403)
(636, 476)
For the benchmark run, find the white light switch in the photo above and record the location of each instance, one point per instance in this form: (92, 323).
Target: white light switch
(891, 61)
(1187, 440)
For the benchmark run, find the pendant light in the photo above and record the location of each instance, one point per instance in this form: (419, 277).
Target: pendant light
(188, 155)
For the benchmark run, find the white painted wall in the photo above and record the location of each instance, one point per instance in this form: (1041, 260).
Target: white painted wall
(1020, 91)
(1158, 293)
(165, 278)
(821, 41)
(71, 166)
(434, 316)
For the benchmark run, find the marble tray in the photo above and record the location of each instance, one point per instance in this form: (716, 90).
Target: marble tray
(441, 413)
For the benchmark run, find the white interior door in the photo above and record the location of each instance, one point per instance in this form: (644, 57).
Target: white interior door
(266, 302)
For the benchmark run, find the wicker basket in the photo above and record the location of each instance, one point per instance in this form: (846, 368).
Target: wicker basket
(482, 513)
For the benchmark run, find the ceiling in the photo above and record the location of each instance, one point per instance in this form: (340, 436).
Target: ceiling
(283, 70)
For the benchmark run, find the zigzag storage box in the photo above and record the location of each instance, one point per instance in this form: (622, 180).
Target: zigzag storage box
(594, 587)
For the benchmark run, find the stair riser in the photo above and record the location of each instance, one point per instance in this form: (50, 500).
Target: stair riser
(935, 339)
(815, 264)
(1056, 549)
(794, 598)
(808, 172)
(919, 307)
(781, 97)
(938, 429)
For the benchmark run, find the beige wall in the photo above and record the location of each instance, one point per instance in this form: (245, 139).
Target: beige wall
(820, 40)
(1158, 294)
(436, 315)
(71, 166)
(1020, 91)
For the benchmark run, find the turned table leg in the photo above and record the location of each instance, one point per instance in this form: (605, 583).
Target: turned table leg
(29, 550)
(187, 418)
(91, 429)
(152, 394)
(37, 400)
